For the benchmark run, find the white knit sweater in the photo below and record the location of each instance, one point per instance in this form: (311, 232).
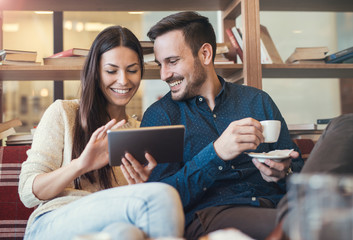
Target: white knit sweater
(51, 149)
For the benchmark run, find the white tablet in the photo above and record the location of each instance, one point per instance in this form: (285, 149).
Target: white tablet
(164, 143)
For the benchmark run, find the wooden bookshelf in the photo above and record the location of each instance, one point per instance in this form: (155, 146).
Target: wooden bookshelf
(252, 71)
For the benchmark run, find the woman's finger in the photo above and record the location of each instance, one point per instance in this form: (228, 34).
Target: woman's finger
(96, 134)
(106, 127)
(118, 124)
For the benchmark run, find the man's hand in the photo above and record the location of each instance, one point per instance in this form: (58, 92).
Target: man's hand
(134, 172)
(272, 171)
(239, 136)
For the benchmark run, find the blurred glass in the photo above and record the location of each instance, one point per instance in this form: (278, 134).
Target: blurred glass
(322, 207)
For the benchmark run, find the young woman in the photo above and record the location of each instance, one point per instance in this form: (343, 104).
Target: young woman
(67, 173)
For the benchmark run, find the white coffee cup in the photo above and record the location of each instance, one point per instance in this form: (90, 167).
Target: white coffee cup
(271, 130)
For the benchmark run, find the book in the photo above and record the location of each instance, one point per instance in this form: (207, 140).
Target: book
(238, 37)
(319, 61)
(308, 53)
(149, 59)
(302, 126)
(265, 57)
(7, 133)
(340, 56)
(147, 47)
(9, 124)
(269, 45)
(64, 61)
(19, 55)
(71, 53)
(18, 63)
(323, 49)
(234, 43)
(222, 59)
(222, 48)
(2, 54)
(349, 60)
(146, 44)
(19, 139)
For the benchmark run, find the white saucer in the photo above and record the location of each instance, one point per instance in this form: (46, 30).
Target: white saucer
(274, 155)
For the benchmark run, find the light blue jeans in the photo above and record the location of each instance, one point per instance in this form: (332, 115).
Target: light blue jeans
(139, 211)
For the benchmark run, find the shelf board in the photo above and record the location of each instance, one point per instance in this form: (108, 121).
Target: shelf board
(307, 70)
(307, 5)
(59, 73)
(42, 72)
(113, 5)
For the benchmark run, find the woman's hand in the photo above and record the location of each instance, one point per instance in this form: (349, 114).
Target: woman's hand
(134, 172)
(95, 155)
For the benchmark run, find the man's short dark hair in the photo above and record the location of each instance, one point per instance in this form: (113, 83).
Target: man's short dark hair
(197, 30)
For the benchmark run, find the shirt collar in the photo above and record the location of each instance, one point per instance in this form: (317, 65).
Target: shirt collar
(219, 95)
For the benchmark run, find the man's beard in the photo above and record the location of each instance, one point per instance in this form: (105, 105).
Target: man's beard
(192, 87)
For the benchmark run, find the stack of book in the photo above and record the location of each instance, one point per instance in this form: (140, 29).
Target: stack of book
(18, 57)
(147, 47)
(306, 55)
(70, 57)
(8, 128)
(19, 139)
(148, 54)
(221, 57)
(344, 56)
(269, 52)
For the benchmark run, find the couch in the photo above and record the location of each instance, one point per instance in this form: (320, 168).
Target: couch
(13, 214)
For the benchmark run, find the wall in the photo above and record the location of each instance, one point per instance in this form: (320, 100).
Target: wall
(303, 100)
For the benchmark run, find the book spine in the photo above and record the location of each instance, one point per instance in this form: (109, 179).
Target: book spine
(234, 43)
(339, 54)
(238, 37)
(66, 53)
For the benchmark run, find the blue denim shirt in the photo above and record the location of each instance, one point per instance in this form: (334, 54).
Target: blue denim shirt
(202, 178)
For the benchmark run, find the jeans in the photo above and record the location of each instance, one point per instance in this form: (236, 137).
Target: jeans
(129, 212)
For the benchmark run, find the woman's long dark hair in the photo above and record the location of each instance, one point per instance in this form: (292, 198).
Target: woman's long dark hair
(92, 112)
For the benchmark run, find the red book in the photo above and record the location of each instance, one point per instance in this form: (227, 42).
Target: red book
(73, 52)
(235, 43)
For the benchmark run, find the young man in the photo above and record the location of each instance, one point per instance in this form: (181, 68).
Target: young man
(219, 184)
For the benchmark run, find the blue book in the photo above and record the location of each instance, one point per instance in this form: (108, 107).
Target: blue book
(340, 56)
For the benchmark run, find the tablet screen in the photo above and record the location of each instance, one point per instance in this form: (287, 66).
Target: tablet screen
(164, 143)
